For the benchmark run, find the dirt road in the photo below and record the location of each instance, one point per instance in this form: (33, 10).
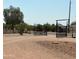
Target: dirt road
(38, 47)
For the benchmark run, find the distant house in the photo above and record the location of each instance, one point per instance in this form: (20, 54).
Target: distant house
(73, 29)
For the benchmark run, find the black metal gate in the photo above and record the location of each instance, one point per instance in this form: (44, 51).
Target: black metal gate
(61, 28)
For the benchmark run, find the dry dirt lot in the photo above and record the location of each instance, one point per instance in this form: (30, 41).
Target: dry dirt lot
(38, 47)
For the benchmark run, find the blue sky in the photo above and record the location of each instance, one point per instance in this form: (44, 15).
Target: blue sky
(43, 11)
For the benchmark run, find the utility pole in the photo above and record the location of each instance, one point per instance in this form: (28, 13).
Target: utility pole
(69, 16)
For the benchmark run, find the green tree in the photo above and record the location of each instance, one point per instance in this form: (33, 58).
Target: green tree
(13, 16)
(53, 27)
(39, 27)
(47, 27)
(20, 27)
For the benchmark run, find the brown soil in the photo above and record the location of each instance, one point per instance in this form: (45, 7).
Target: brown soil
(38, 47)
